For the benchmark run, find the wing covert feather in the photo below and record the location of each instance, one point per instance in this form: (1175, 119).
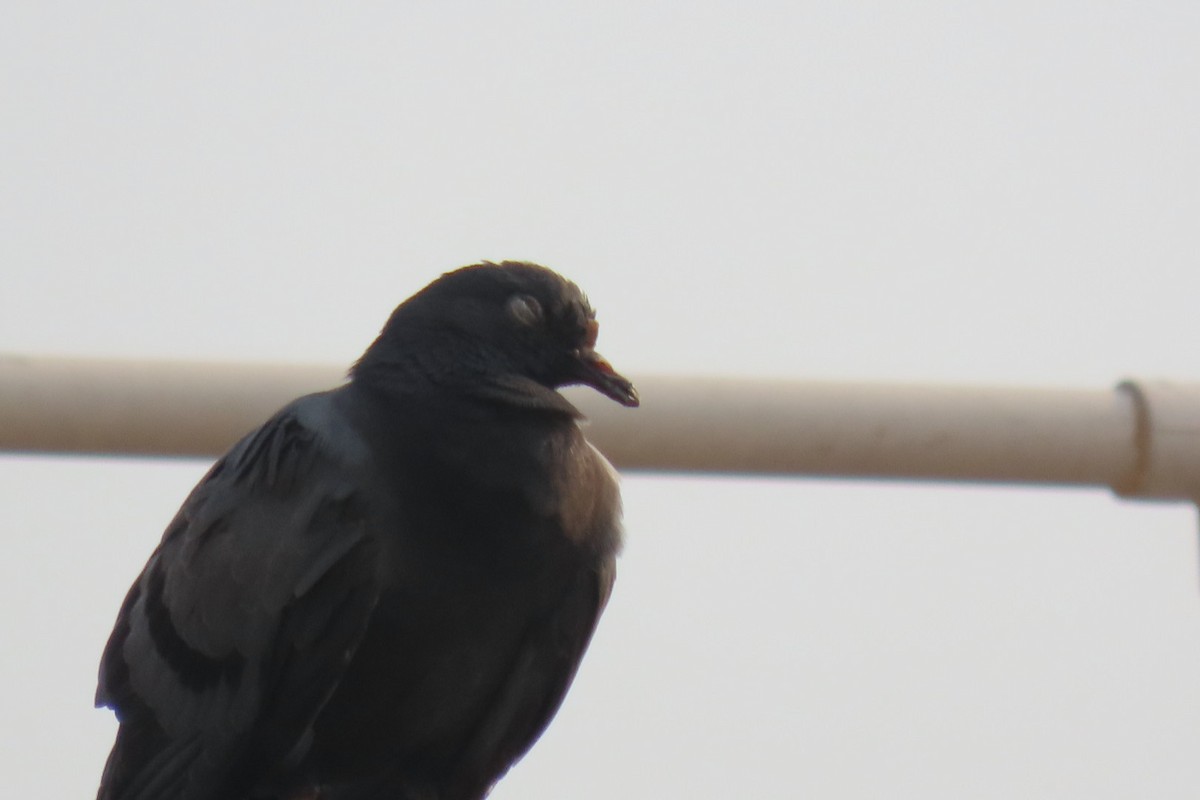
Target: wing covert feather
(244, 617)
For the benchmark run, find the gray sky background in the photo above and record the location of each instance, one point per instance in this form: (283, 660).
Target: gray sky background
(999, 193)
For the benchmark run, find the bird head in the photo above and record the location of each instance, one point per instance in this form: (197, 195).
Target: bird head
(501, 323)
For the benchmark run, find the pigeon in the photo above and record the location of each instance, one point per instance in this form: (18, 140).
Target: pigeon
(385, 591)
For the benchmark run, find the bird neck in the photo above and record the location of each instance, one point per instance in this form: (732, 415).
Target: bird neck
(442, 369)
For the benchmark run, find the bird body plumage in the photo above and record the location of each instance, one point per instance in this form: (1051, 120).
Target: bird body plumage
(384, 591)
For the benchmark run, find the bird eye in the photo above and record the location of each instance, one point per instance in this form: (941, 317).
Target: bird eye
(525, 309)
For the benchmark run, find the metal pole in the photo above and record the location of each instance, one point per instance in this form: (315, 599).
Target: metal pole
(1141, 440)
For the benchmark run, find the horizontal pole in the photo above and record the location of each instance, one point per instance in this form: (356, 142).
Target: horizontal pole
(132, 407)
(1141, 440)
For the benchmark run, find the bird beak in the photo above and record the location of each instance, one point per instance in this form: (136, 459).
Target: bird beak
(596, 372)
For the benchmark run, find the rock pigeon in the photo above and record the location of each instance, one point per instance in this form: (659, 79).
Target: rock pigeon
(384, 591)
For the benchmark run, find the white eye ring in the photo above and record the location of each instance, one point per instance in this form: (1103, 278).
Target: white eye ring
(525, 309)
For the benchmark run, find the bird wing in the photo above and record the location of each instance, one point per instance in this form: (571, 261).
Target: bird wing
(245, 616)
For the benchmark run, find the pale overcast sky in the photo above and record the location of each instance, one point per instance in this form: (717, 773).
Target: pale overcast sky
(994, 193)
